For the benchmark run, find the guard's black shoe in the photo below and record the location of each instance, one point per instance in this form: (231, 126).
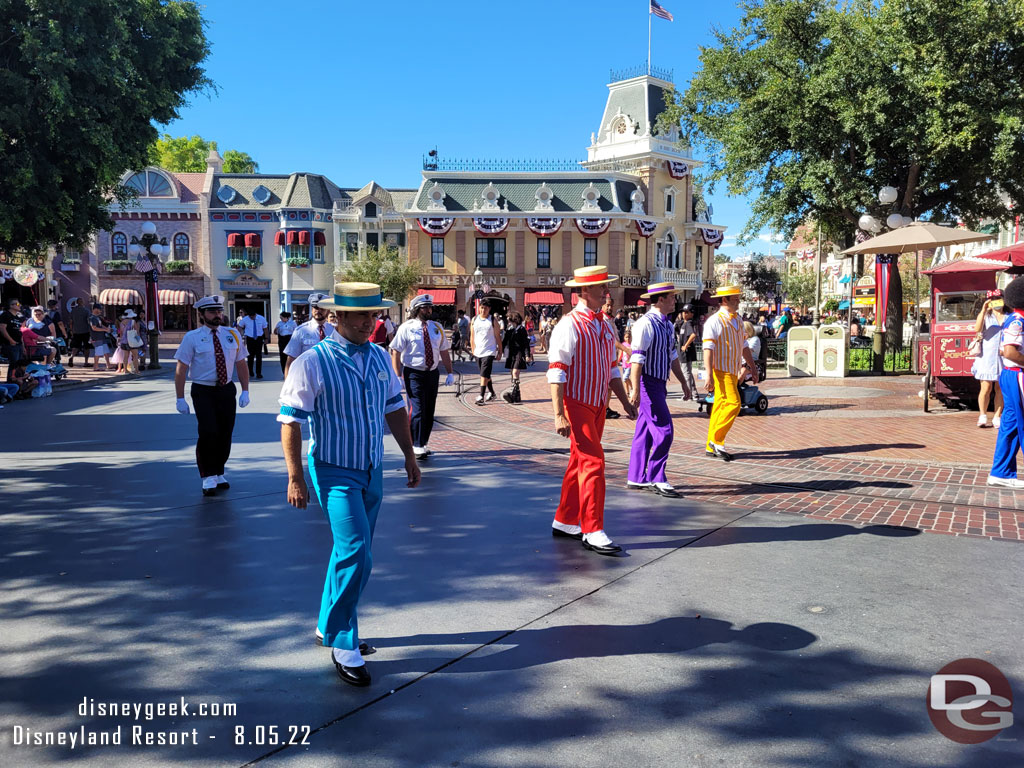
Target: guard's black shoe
(560, 534)
(357, 676)
(611, 549)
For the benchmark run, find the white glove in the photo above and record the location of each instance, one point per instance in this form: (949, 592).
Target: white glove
(243, 399)
(182, 405)
(449, 379)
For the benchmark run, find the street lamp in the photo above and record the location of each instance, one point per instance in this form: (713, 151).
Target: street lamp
(153, 248)
(778, 297)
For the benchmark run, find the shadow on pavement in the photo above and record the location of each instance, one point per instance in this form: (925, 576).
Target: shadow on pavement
(811, 453)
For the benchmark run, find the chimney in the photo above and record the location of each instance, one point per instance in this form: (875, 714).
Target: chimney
(214, 162)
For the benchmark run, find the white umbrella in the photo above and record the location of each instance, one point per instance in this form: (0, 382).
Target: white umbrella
(921, 235)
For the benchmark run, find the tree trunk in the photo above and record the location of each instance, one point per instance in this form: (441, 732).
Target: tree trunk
(894, 311)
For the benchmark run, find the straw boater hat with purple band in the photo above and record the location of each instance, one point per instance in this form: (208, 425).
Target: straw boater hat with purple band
(356, 297)
(590, 276)
(659, 289)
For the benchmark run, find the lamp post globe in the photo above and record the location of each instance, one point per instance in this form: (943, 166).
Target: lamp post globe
(148, 228)
(895, 221)
(887, 195)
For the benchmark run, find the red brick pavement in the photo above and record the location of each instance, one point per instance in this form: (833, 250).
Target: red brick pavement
(882, 461)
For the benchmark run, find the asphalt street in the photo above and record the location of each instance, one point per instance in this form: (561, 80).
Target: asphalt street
(723, 638)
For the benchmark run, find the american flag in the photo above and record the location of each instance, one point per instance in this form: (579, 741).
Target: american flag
(660, 12)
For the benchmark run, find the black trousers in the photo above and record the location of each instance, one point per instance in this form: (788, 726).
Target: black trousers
(215, 413)
(422, 389)
(255, 359)
(282, 342)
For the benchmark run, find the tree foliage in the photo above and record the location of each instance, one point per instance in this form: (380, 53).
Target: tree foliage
(83, 84)
(760, 280)
(387, 268)
(812, 106)
(187, 154)
(799, 288)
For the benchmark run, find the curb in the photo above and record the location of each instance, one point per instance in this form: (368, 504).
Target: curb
(65, 386)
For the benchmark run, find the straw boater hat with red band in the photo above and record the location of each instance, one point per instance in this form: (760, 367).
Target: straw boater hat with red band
(654, 290)
(356, 297)
(590, 276)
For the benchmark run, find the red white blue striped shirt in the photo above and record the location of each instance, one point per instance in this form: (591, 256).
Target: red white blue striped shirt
(582, 356)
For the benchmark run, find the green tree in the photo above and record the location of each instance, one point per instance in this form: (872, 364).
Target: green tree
(810, 106)
(187, 154)
(387, 268)
(799, 288)
(760, 280)
(182, 154)
(239, 162)
(83, 84)
(721, 258)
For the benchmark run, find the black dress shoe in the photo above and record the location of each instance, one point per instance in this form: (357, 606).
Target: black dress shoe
(560, 534)
(612, 549)
(638, 486)
(668, 494)
(718, 453)
(610, 414)
(223, 486)
(209, 491)
(357, 676)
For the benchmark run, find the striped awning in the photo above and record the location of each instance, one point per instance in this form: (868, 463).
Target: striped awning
(441, 295)
(544, 297)
(121, 297)
(170, 297)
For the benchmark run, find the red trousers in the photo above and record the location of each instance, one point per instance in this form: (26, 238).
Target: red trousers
(582, 501)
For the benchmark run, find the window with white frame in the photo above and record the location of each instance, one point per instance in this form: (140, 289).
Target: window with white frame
(296, 251)
(351, 244)
(181, 247)
(589, 251)
(437, 251)
(634, 254)
(671, 252)
(318, 254)
(236, 252)
(543, 253)
(119, 245)
(254, 255)
(670, 201)
(699, 264)
(490, 252)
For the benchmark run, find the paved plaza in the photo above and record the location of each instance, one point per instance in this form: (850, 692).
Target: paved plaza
(789, 610)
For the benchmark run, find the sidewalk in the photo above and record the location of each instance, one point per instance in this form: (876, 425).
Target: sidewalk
(859, 450)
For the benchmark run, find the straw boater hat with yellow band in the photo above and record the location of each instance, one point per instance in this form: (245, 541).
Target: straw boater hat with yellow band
(728, 290)
(590, 276)
(356, 297)
(654, 290)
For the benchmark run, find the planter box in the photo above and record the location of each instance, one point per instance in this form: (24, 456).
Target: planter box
(118, 267)
(70, 266)
(179, 267)
(237, 265)
(298, 263)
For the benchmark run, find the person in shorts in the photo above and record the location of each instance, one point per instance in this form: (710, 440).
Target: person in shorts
(99, 333)
(485, 343)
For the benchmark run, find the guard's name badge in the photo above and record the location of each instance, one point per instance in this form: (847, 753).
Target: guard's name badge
(382, 375)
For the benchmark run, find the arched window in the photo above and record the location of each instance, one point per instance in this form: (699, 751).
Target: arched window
(181, 247)
(119, 245)
(671, 252)
(371, 210)
(150, 184)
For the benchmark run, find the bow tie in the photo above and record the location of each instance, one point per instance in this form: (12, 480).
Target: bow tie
(358, 349)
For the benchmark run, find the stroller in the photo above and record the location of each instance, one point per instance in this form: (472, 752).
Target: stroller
(750, 397)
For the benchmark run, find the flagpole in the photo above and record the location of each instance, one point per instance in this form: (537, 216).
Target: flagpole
(648, 37)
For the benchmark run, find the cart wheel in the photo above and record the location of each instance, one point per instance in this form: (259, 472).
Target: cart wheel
(761, 404)
(927, 389)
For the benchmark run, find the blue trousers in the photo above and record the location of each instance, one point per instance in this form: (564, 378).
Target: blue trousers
(351, 500)
(422, 389)
(652, 439)
(1011, 425)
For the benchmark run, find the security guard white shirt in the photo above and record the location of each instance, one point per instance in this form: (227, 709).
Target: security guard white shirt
(307, 336)
(408, 342)
(253, 326)
(196, 351)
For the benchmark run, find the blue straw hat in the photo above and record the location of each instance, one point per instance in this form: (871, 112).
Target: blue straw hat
(356, 297)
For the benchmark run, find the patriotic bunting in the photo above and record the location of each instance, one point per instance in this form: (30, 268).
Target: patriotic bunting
(678, 170)
(145, 264)
(490, 226)
(646, 228)
(544, 227)
(593, 227)
(435, 227)
(711, 236)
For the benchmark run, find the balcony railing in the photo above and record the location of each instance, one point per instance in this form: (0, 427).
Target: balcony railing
(640, 70)
(499, 165)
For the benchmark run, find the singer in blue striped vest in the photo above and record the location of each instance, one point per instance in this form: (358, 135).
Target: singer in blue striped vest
(346, 389)
(654, 358)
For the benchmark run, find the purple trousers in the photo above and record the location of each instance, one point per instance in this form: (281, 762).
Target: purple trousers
(653, 437)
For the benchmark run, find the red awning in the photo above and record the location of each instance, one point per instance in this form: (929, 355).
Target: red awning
(441, 295)
(121, 297)
(279, 237)
(293, 237)
(318, 238)
(304, 237)
(170, 297)
(969, 264)
(544, 297)
(252, 240)
(235, 240)
(1015, 254)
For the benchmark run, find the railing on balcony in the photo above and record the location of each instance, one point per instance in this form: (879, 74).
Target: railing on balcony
(639, 71)
(434, 163)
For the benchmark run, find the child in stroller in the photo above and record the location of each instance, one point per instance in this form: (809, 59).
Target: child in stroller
(750, 395)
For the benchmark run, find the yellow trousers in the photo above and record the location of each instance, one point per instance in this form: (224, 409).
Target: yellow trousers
(726, 408)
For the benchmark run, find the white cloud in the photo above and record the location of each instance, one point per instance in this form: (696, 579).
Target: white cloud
(770, 237)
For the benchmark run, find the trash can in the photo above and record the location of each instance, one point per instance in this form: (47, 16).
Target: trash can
(801, 350)
(833, 352)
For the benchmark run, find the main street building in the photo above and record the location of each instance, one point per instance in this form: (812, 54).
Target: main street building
(523, 231)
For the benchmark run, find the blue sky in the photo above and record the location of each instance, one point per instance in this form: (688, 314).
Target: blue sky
(361, 91)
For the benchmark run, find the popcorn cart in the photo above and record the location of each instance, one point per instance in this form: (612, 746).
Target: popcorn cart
(958, 293)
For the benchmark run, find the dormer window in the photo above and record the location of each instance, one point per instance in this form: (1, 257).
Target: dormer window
(261, 195)
(150, 184)
(226, 194)
(544, 196)
(490, 196)
(591, 196)
(370, 211)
